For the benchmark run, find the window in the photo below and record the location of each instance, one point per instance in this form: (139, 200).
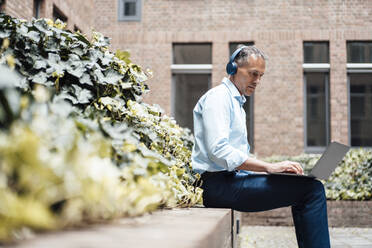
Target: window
(316, 91)
(316, 52)
(191, 78)
(359, 67)
(37, 8)
(249, 104)
(58, 14)
(129, 10)
(359, 52)
(2, 5)
(317, 133)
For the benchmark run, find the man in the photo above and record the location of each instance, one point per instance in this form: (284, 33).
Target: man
(231, 178)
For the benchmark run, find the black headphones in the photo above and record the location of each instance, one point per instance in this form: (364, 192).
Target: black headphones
(232, 67)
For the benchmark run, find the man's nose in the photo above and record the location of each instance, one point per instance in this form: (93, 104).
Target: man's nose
(257, 80)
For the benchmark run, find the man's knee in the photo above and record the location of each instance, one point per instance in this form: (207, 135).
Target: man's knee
(317, 188)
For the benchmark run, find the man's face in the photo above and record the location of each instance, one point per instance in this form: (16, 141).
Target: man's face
(248, 76)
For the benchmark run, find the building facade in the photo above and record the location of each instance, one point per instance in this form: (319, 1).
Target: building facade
(318, 82)
(79, 15)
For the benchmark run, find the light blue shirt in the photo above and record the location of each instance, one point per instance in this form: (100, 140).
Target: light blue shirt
(220, 130)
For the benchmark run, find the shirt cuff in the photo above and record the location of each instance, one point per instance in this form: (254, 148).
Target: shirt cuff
(238, 159)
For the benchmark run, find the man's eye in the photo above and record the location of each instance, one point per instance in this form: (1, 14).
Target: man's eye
(255, 74)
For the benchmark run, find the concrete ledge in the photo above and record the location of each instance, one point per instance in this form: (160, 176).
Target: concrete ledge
(181, 228)
(340, 214)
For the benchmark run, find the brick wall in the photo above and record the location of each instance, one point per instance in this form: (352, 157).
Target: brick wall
(79, 13)
(340, 214)
(277, 27)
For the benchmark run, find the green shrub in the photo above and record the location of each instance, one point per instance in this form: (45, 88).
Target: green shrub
(352, 179)
(77, 144)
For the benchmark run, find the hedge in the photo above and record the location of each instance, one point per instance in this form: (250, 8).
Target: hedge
(77, 144)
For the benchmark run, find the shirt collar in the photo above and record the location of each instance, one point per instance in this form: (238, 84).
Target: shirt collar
(234, 91)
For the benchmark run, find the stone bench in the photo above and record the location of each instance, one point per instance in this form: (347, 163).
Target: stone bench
(181, 228)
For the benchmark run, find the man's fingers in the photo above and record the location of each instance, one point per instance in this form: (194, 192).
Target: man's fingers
(292, 167)
(299, 169)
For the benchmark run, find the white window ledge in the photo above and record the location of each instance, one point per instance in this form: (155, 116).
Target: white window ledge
(316, 67)
(191, 68)
(359, 65)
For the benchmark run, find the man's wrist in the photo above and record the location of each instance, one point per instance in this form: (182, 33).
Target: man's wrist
(267, 167)
(253, 164)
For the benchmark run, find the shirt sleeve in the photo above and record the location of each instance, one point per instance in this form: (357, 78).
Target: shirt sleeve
(216, 124)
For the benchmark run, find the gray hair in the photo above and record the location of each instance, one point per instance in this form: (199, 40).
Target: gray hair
(243, 56)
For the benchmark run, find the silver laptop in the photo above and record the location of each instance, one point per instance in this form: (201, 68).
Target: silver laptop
(327, 163)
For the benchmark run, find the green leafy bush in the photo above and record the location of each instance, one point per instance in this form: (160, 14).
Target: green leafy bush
(77, 144)
(352, 179)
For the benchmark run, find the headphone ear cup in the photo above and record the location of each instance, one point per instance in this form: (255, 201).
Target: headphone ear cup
(235, 68)
(231, 68)
(228, 68)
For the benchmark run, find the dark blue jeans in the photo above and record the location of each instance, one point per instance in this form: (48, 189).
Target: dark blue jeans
(250, 192)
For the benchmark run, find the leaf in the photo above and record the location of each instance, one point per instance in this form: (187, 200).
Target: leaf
(4, 33)
(55, 65)
(85, 79)
(65, 95)
(123, 55)
(107, 59)
(119, 131)
(34, 36)
(77, 50)
(125, 86)
(100, 77)
(43, 27)
(112, 77)
(76, 68)
(82, 38)
(40, 64)
(22, 30)
(82, 95)
(41, 78)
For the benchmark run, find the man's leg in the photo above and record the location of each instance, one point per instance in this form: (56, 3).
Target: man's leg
(257, 192)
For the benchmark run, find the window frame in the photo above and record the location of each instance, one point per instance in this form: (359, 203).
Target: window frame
(37, 8)
(317, 149)
(353, 71)
(357, 65)
(323, 68)
(2, 6)
(188, 69)
(352, 68)
(315, 42)
(124, 18)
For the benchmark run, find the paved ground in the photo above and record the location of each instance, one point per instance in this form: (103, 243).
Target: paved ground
(284, 237)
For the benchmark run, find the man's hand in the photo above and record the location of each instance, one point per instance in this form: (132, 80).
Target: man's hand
(286, 166)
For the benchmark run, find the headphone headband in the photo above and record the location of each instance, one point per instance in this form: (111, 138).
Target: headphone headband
(232, 67)
(237, 51)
